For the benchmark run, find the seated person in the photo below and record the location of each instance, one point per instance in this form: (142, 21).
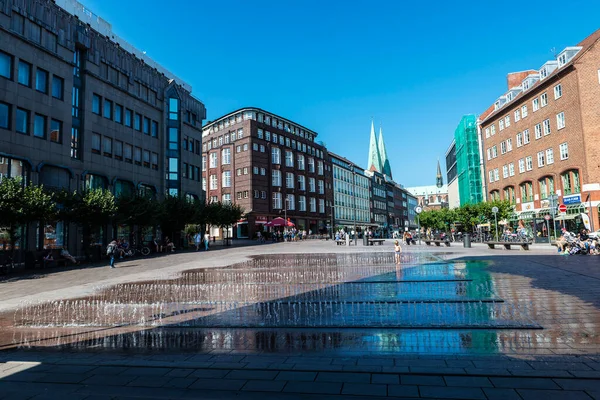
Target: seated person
(48, 260)
(157, 245)
(64, 253)
(123, 247)
(169, 246)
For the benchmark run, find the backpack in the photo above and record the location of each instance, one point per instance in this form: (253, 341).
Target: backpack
(110, 249)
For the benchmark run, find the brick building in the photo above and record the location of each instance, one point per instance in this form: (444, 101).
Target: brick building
(541, 136)
(269, 165)
(82, 108)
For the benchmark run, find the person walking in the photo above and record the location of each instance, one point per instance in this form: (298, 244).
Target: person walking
(197, 240)
(206, 241)
(397, 251)
(111, 251)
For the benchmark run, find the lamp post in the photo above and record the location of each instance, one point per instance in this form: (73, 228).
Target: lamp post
(418, 210)
(495, 211)
(354, 197)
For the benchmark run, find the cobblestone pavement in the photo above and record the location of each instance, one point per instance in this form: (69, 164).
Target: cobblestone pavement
(560, 361)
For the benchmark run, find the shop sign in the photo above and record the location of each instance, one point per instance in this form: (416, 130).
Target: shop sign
(527, 206)
(573, 199)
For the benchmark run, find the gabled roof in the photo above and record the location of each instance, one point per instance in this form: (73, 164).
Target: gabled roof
(585, 45)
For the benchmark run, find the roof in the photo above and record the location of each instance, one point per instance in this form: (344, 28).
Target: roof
(431, 189)
(585, 45)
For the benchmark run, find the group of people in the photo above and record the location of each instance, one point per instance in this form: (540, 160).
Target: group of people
(583, 244)
(200, 240)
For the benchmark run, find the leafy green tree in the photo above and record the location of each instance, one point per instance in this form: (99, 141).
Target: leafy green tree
(175, 213)
(139, 210)
(21, 205)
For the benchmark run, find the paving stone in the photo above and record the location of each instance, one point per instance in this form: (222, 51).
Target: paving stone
(390, 379)
(150, 381)
(364, 389)
(64, 378)
(313, 387)
(109, 380)
(532, 394)
(209, 373)
(439, 371)
(343, 377)
(444, 392)
(362, 368)
(422, 380)
(579, 384)
(524, 383)
(394, 370)
(181, 383)
(242, 374)
(467, 381)
(403, 391)
(544, 373)
(316, 367)
(264, 386)
(573, 366)
(146, 371)
(296, 376)
(218, 384)
(109, 370)
(179, 372)
(585, 374)
(502, 394)
(387, 362)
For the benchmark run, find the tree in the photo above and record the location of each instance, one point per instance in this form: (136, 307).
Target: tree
(222, 215)
(139, 210)
(175, 213)
(20, 205)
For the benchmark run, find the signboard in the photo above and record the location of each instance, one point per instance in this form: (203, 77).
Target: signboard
(562, 208)
(573, 199)
(547, 217)
(545, 203)
(527, 206)
(494, 210)
(586, 221)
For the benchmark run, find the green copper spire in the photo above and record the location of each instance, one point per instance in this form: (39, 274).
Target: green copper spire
(439, 179)
(385, 163)
(374, 156)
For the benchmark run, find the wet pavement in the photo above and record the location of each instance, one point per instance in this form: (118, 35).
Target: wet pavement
(458, 323)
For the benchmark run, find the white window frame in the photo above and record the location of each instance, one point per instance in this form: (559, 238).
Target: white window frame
(275, 155)
(494, 151)
(276, 178)
(517, 115)
(557, 91)
(214, 182)
(214, 160)
(524, 111)
(544, 99)
(226, 156)
(487, 133)
(549, 156)
(519, 139)
(507, 121)
(538, 131)
(300, 163)
(496, 174)
(503, 147)
(289, 158)
(560, 120)
(491, 176)
(541, 159)
(301, 203)
(526, 137)
(489, 153)
(493, 130)
(547, 129)
(277, 201)
(511, 169)
(501, 124)
(528, 163)
(302, 183)
(290, 180)
(509, 145)
(564, 151)
(521, 165)
(535, 104)
(505, 171)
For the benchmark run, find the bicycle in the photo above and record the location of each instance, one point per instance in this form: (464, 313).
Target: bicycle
(134, 251)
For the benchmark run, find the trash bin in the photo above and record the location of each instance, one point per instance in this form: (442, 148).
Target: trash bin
(365, 240)
(467, 240)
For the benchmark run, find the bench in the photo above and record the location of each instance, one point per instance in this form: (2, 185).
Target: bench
(340, 242)
(378, 241)
(507, 245)
(438, 243)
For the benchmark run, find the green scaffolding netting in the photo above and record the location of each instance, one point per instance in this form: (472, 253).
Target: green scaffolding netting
(467, 161)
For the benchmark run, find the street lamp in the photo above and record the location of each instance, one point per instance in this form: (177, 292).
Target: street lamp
(354, 197)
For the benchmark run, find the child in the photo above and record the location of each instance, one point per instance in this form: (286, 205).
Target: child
(397, 251)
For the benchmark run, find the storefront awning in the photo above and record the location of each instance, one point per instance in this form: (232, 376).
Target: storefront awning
(543, 212)
(527, 215)
(566, 217)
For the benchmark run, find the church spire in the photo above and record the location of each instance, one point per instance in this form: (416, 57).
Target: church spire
(374, 156)
(385, 163)
(439, 180)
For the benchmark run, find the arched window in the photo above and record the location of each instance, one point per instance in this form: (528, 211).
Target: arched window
(123, 188)
(509, 194)
(526, 192)
(55, 177)
(495, 195)
(147, 190)
(93, 181)
(570, 182)
(546, 186)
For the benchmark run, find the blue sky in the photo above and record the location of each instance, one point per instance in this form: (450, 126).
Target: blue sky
(415, 67)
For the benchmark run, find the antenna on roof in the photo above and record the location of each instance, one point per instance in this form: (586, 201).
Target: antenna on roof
(553, 51)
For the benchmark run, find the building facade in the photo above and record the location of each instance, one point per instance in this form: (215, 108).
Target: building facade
(351, 195)
(541, 137)
(379, 203)
(430, 197)
(467, 157)
(269, 165)
(451, 176)
(81, 108)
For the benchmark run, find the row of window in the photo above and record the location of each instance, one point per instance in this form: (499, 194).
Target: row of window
(570, 182)
(544, 157)
(28, 123)
(521, 113)
(25, 76)
(291, 143)
(221, 140)
(119, 150)
(290, 203)
(191, 172)
(115, 112)
(191, 145)
(523, 138)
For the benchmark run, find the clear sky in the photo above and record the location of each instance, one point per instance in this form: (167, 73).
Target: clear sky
(414, 66)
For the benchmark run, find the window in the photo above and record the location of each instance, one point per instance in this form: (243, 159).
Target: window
(564, 151)
(517, 115)
(493, 130)
(529, 163)
(277, 200)
(538, 131)
(521, 165)
(508, 145)
(526, 138)
(260, 133)
(245, 170)
(487, 132)
(262, 148)
(501, 125)
(96, 142)
(321, 187)
(137, 159)
(118, 150)
(118, 113)
(289, 180)
(107, 146)
(290, 202)
(496, 174)
(494, 152)
(523, 111)
(311, 185)
(560, 120)
(226, 179)
(128, 153)
(536, 104)
(226, 156)
(546, 186)
(22, 121)
(39, 126)
(263, 171)
(519, 139)
(302, 203)
(276, 155)
(226, 198)
(311, 165)
(320, 167)
(240, 133)
(321, 206)
(128, 116)
(137, 122)
(547, 127)
(255, 146)
(255, 170)
(213, 160)
(526, 192)
(507, 121)
(489, 154)
(276, 178)
(213, 182)
(146, 128)
(511, 169)
(289, 159)
(24, 74)
(313, 205)
(301, 182)
(108, 109)
(544, 100)
(570, 182)
(505, 171)
(541, 159)
(301, 162)
(4, 114)
(173, 109)
(154, 131)
(5, 65)
(549, 156)
(509, 194)
(502, 147)
(557, 91)
(96, 104)
(41, 80)
(55, 131)
(146, 159)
